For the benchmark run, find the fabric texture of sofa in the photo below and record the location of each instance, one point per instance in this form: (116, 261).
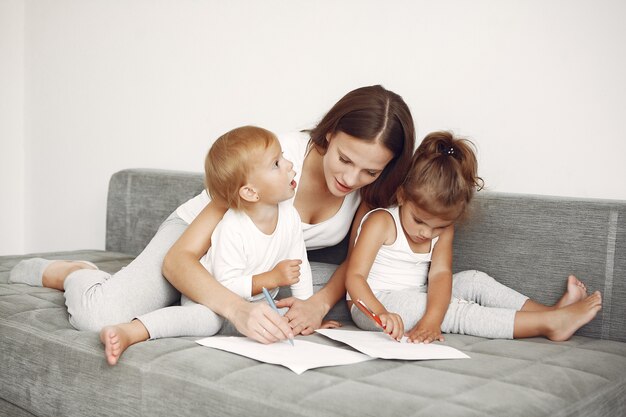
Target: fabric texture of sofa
(530, 243)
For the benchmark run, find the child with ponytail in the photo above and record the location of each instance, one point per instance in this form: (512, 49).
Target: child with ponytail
(400, 267)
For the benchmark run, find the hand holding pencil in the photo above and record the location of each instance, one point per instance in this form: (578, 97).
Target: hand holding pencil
(391, 323)
(270, 301)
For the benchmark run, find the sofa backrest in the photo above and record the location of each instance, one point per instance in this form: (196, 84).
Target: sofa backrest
(527, 242)
(138, 202)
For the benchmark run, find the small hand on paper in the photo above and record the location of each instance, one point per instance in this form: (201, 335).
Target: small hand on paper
(425, 331)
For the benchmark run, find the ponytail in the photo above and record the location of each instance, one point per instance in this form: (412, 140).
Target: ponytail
(443, 176)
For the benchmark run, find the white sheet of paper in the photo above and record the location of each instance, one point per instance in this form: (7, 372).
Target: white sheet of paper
(301, 356)
(380, 345)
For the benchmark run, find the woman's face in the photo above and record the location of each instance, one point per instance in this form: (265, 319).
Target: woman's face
(351, 163)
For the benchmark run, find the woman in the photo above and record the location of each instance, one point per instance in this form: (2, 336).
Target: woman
(352, 161)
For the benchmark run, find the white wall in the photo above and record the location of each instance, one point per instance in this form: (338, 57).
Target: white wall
(11, 126)
(111, 84)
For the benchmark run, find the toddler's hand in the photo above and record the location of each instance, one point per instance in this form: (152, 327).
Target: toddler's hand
(287, 272)
(392, 324)
(425, 332)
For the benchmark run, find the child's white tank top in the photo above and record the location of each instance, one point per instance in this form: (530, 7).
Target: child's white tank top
(396, 266)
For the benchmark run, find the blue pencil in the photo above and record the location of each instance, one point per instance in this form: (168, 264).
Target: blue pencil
(270, 301)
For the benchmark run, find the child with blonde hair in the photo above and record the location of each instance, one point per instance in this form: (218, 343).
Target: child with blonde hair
(258, 243)
(401, 265)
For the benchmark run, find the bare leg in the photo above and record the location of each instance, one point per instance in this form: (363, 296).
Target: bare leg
(559, 324)
(575, 292)
(116, 339)
(54, 275)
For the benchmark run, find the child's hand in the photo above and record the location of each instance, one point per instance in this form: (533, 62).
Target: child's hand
(392, 324)
(425, 332)
(287, 272)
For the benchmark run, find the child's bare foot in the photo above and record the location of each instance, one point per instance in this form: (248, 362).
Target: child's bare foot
(575, 292)
(54, 275)
(565, 321)
(116, 339)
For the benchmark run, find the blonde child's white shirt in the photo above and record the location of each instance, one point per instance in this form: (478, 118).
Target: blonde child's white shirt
(240, 250)
(331, 231)
(396, 266)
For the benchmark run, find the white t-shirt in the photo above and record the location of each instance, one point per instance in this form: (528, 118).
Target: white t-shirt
(316, 236)
(242, 250)
(396, 266)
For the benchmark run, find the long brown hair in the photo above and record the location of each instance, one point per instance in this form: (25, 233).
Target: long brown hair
(373, 114)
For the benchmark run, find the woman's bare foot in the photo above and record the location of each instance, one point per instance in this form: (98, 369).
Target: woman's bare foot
(110, 338)
(575, 292)
(564, 322)
(54, 275)
(116, 339)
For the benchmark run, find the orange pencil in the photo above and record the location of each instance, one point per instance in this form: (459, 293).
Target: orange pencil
(369, 313)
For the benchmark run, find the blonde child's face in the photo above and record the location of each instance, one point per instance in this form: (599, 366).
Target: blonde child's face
(351, 163)
(419, 225)
(273, 176)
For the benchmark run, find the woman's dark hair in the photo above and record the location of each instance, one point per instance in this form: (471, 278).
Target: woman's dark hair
(373, 114)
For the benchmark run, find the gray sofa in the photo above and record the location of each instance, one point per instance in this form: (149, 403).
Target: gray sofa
(530, 243)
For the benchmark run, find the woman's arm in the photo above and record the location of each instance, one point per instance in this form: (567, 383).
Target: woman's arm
(306, 316)
(183, 270)
(428, 329)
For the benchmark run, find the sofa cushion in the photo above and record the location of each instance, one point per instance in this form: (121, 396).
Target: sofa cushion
(48, 368)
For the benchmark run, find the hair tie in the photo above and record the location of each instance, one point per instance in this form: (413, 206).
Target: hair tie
(446, 150)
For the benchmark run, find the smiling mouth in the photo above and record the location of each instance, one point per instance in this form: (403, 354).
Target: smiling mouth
(342, 187)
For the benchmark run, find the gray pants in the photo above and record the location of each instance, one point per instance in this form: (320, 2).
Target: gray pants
(188, 319)
(480, 306)
(96, 298)
(192, 319)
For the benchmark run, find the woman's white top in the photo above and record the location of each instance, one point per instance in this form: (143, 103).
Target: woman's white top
(396, 266)
(327, 233)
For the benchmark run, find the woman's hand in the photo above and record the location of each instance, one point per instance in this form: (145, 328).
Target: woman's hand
(260, 322)
(425, 332)
(392, 324)
(304, 315)
(330, 324)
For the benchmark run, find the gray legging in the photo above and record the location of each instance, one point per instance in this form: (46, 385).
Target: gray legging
(190, 319)
(96, 298)
(480, 306)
